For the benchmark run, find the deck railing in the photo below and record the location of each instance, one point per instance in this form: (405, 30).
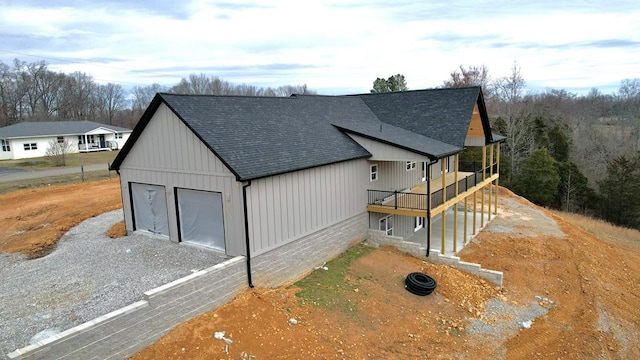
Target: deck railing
(398, 199)
(418, 201)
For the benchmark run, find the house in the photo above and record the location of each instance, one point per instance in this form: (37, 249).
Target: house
(32, 139)
(291, 182)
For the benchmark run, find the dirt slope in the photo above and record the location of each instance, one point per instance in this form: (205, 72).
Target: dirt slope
(581, 294)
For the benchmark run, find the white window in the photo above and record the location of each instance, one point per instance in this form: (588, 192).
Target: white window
(5, 145)
(31, 146)
(419, 223)
(411, 165)
(373, 173)
(386, 225)
(118, 135)
(60, 139)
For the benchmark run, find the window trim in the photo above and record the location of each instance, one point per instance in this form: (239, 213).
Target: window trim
(60, 139)
(30, 146)
(373, 174)
(5, 145)
(419, 223)
(117, 135)
(410, 165)
(386, 229)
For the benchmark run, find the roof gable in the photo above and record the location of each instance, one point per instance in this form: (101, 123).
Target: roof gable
(440, 114)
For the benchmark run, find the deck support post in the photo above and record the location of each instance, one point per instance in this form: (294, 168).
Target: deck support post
(466, 211)
(490, 184)
(484, 174)
(455, 206)
(473, 231)
(495, 209)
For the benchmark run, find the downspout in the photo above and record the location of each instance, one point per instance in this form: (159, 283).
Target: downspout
(429, 205)
(246, 231)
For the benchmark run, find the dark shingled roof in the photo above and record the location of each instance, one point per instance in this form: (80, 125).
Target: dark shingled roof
(441, 114)
(263, 136)
(53, 128)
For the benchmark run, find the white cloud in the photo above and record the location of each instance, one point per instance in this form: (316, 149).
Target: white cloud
(333, 46)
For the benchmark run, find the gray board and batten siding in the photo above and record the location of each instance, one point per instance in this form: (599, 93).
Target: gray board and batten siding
(290, 206)
(169, 154)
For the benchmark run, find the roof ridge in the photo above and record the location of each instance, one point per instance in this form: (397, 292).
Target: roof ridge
(224, 96)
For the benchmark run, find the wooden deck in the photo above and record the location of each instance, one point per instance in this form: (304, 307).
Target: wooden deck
(414, 202)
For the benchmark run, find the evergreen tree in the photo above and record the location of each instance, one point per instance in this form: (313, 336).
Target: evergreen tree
(574, 193)
(620, 192)
(538, 178)
(559, 142)
(392, 84)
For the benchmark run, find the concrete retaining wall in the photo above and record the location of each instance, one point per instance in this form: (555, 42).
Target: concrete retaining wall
(295, 259)
(128, 330)
(379, 238)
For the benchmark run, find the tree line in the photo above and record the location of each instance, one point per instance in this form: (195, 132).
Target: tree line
(33, 92)
(578, 153)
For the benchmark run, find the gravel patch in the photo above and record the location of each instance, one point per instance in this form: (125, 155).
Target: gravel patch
(501, 321)
(522, 221)
(86, 276)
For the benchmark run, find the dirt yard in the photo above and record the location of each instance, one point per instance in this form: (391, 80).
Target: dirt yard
(33, 220)
(581, 294)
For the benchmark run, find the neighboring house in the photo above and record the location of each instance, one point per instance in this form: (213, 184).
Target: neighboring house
(291, 182)
(32, 139)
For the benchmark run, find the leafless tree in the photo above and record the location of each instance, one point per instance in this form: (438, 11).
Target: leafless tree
(471, 76)
(58, 150)
(508, 91)
(111, 99)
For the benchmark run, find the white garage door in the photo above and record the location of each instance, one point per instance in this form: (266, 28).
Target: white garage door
(201, 219)
(150, 208)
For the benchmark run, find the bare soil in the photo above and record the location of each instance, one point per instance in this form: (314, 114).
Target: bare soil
(33, 220)
(581, 294)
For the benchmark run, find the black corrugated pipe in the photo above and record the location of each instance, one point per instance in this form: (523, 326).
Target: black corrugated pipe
(246, 231)
(429, 205)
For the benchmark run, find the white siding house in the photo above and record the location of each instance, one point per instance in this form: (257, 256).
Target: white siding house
(291, 182)
(32, 139)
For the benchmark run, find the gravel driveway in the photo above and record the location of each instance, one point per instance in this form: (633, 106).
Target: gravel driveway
(88, 275)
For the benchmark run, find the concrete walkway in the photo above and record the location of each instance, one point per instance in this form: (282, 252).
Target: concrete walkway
(36, 174)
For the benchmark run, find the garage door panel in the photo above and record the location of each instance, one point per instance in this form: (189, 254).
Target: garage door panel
(201, 218)
(150, 208)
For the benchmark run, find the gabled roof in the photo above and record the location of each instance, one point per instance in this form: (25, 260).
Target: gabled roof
(54, 128)
(257, 137)
(441, 114)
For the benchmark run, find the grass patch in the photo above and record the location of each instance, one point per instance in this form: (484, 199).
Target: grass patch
(56, 180)
(604, 230)
(76, 159)
(328, 289)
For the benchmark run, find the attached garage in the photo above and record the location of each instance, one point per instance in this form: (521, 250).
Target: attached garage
(200, 218)
(150, 208)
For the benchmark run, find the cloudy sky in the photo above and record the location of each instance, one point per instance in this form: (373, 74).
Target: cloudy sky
(335, 47)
